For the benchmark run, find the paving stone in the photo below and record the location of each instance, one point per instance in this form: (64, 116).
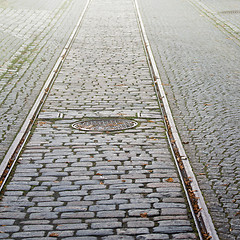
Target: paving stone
(36, 222)
(61, 234)
(47, 215)
(174, 223)
(67, 221)
(97, 185)
(81, 238)
(42, 199)
(72, 193)
(104, 225)
(78, 215)
(80, 203)
(184, 236)
(14, 193)
(64, 188)
(4, 235)
(152, 237)
(139, 224)
(16, 188)
(96, 197)
(98, 208)
(139, 190)
(118, 237)
(12, 215)
(39, 209)
(132, 231)
(111, 214)
(70, 209)
(7, 229)
(150, 212)
(134, 206)
(50, 204)
(69, 199)
(37, 227)
(173, 211)
(7, 221)
(210, 141)
(172, 229)
(71, 226)
(40, 193)
(93, 232)
(110, 202)
(169, 205)
(28, 234)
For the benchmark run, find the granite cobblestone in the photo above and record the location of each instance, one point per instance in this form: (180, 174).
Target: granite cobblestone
(32, 37)
(104, 185)
(197, 57)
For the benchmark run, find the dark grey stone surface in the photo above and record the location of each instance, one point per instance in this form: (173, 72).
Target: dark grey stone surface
(197, 54)
(86, 185)
(32, 36)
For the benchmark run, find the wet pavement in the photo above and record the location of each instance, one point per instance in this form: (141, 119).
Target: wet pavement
(78, 184)
(196, 47)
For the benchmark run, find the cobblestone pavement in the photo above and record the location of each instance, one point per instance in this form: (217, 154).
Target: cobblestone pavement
(73, 184)
(32, 35)
(199, 65)
(228, 10)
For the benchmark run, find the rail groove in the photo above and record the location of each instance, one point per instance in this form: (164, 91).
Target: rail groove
(197, 205)
(17, 145)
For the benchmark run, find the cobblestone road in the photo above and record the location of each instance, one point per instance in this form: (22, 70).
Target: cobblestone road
(198, 60)
(72, 184)
(228, 10)
(32, 35)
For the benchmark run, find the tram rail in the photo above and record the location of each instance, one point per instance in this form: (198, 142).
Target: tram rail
(18, 143)
(197, 205)
(193, 193)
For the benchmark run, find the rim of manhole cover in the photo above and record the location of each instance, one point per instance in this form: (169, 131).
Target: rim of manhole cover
(105, 125)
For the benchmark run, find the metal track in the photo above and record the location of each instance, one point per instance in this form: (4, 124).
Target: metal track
(202, 219)
(18, 143)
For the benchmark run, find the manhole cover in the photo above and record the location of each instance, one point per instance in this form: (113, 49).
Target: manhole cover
(102, 125)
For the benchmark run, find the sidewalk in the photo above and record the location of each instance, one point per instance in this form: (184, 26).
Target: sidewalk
(75, 184)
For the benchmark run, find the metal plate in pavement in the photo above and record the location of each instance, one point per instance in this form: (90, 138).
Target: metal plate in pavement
(104, 125)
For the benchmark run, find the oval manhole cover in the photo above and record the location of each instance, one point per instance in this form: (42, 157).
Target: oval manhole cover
(102, 125)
